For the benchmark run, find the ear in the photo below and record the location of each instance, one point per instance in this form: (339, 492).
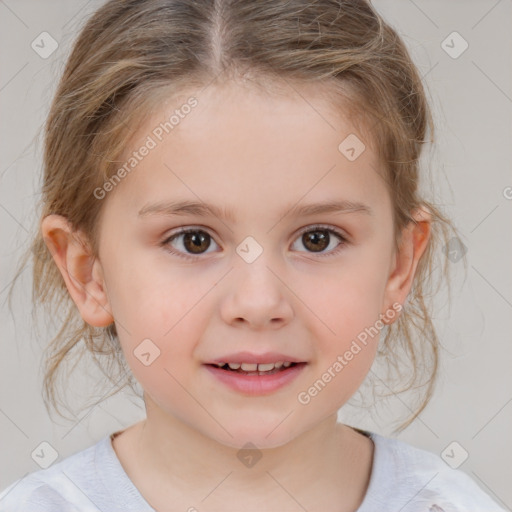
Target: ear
(82, 272)
(413, 243)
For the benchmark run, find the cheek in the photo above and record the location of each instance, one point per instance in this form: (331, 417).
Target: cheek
(160, 353)
(167, 386)
(343, 359)
(348, 301)
(347, 324)
(151, 296)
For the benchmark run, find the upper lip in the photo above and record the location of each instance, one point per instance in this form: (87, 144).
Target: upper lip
(251, 357)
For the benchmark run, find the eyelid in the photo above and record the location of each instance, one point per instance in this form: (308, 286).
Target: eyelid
(311, 227)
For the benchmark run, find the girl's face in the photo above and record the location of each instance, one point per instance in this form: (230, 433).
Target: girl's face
(255, 276)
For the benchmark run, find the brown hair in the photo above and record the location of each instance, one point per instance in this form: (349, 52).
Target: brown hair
(133, 53)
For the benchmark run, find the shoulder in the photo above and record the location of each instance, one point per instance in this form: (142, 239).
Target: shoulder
(420, 481)
(57, 488)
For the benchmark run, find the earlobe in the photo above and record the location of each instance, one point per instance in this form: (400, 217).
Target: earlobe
(81, 271)
(414, 240)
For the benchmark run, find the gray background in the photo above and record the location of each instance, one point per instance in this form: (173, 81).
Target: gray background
(472, 100)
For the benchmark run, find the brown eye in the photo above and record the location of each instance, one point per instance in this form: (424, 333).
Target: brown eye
(317, 240)
(196, 241)
(190, 242)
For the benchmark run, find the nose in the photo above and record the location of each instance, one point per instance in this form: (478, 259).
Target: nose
(258, 296)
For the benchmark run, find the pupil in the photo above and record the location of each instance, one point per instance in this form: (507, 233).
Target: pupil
(320, 242)
(196, 240)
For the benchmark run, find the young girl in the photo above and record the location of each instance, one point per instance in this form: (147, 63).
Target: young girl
(231, 212)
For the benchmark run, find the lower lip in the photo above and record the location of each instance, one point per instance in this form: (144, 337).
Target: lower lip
(256, 384)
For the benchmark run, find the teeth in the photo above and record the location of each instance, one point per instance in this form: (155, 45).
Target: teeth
(265, 367)
(253, 367)
(249, 367)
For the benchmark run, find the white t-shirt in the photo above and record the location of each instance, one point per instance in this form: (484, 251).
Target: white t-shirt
(403, 478)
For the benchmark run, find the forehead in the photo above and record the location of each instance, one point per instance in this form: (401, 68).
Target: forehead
(243, 145)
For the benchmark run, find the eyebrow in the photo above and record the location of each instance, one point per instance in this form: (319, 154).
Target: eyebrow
(170, 208)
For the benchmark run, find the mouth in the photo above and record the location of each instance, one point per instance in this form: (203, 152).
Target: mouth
(255, 379)
(249, 369)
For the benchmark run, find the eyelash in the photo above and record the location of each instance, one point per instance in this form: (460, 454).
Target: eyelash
(318, 227)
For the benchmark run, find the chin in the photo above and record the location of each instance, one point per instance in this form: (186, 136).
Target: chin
(262, 434)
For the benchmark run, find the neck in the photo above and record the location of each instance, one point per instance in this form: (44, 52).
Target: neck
(324, 468)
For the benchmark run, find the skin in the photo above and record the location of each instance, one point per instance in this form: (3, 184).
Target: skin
(254, 153)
